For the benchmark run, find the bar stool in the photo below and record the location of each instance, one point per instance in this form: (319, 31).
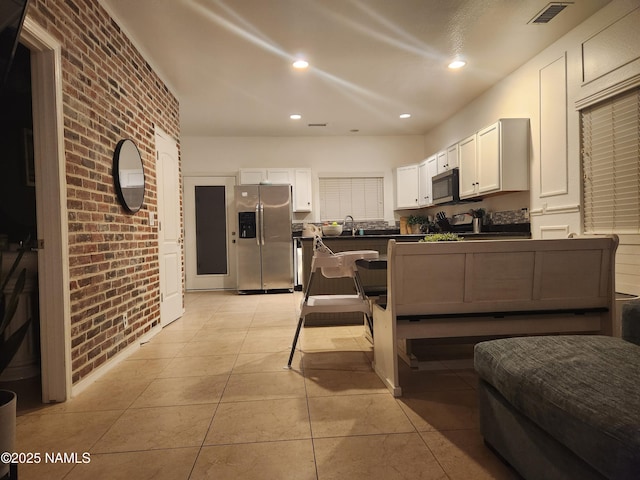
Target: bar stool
(334, 265)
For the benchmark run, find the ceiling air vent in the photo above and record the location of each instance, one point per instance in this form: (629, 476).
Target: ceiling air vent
(316, 124)
(549, 12)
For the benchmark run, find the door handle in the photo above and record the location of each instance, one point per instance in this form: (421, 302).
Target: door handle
(258, 223)
(262, 223)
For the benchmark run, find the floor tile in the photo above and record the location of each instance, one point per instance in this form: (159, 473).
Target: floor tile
(182, 391)
(260, 421)
(156, 428)
(264, 386)
(463, 455)
(265, 362)
(59, 433)
(346, 415)
(176, 335)
(442, 410)
(168, 464)
(442, 378)
(104, 395)
(389, 457)
(328, 344)
(266, 340)
(157, 350)
(337, 360)
(290, 460)
(323, 383)
(144, 369)
(209, 397)
(198, 366)
(215, 342)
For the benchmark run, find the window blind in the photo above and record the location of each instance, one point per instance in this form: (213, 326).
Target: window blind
(610, 138)
(360, 197)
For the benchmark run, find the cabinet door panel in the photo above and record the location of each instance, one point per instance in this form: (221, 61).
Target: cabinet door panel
(488, 173)
(443, 163)
(452, 157)
(280, 176)
(252, 176)
(467, 162)
(407, 187)
(302, 193)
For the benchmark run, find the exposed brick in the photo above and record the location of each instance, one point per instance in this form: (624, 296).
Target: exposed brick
(110, 92)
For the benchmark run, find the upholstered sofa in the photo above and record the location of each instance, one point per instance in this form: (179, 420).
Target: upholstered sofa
(564, 406)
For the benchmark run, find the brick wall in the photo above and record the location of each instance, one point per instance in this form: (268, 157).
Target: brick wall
(109, 93)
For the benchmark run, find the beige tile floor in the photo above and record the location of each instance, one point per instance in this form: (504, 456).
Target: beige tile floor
(208, 398)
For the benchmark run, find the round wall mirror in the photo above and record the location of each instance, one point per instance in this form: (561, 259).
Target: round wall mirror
(128, 175)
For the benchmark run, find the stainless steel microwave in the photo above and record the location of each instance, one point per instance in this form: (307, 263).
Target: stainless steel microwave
(446, 186)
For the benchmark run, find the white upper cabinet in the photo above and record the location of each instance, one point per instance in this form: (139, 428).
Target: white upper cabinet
(467, 161)
(452, 157)
(302, 192)
(252, 176)
(277, 176)
(298, 178)
(442, 163)
(503, 156)
(496, 159)
(407, 187)
(488, 174)
(280, 176)
(426, 170)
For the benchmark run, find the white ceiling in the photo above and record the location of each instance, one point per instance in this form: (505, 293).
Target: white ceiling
(229, 62)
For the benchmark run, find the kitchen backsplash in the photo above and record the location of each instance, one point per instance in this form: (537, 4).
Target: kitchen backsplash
(507, 217)
(365, 225)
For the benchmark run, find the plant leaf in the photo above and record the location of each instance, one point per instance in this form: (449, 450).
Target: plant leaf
(12, 344)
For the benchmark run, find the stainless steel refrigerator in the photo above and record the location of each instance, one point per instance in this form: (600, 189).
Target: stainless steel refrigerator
(265, 245)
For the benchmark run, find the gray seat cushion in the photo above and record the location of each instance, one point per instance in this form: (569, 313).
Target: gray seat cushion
(582, 390)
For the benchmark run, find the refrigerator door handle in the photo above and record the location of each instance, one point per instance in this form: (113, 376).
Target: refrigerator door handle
(262, 223)
(258, 224)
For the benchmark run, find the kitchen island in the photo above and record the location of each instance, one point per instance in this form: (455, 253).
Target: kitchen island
(374, 281)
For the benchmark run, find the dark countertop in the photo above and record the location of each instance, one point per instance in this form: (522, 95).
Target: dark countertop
(416, 237)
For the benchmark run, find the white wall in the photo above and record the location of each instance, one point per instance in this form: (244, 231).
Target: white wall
(519, 95)
(353, 154)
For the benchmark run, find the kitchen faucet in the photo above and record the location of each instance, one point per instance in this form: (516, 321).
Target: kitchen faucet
(353, 228)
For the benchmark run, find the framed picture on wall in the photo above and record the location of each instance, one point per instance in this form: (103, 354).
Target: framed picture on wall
(30, 171)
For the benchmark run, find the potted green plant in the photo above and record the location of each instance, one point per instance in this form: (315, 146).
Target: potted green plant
(416, 222)
(9, 344)
(442, 237)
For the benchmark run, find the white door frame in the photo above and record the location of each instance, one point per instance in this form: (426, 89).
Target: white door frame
(169, 309)
(53, 254)
(208, 282)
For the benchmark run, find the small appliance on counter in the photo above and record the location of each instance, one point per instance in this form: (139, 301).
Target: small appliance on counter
(311, 230)
(460, 222)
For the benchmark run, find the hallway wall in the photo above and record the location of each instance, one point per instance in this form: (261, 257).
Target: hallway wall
(109, 93)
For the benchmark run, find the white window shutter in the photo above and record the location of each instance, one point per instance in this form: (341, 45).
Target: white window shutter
(611, 164)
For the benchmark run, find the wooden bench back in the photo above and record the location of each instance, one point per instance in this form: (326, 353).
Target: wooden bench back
(500, 276)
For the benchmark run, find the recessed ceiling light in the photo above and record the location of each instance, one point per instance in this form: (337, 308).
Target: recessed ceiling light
(300, 64)
(405, 115)
(457, 64)
(295, 116)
